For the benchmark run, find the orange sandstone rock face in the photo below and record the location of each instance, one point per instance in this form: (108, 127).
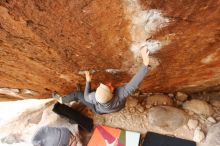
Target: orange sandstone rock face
(191, 61)
(44, 45)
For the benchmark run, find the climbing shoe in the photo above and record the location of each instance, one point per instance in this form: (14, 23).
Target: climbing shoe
(58, 97)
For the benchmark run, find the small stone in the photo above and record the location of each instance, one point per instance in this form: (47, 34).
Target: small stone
(171, 94)
(136, 94)
(132, 110)
(131, 102)
(198, 128)
(140, 109)
(164, 103)
(181, 96)
(211, 119)
(199, 107)
(190, 113)
(144, 94)
(179, 102)
(203, 117)
(202, 121)
(148, 106)
(192, 124)
(198, 135)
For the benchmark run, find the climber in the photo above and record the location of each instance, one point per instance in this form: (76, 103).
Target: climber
(54, 136)
(106, 98)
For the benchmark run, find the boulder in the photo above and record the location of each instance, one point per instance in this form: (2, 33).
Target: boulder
(213, 136)
(159, 100)
(199, 107)
(167, 118)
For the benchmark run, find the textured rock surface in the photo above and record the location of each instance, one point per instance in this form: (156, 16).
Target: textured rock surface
(198, 106)
(191, 61)
(159, 100)
(192, 124)
(211, 119)
(213, 135)
(137, 119)
(181, 96)
(215, 103)
(132, 102)
(45, 44)
(133, 117)
(167, 118)
(29, 119)
(198, 135)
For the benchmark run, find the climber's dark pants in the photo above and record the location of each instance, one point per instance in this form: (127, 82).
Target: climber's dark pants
(78, 96)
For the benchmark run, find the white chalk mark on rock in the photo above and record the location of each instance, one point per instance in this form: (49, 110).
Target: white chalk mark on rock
(113, 71)
(20, 93)
(210, 58)
(143, 24)
(82, 72)
(9, 91)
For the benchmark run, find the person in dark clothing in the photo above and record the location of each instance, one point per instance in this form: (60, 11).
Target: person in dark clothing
(106, 99)
(54, 136)
(59, 136)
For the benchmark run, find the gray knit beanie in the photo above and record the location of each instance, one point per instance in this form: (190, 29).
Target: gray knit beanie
(51, 136)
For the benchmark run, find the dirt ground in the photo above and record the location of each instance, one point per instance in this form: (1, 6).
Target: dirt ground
(135, 117)
(175, 114)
